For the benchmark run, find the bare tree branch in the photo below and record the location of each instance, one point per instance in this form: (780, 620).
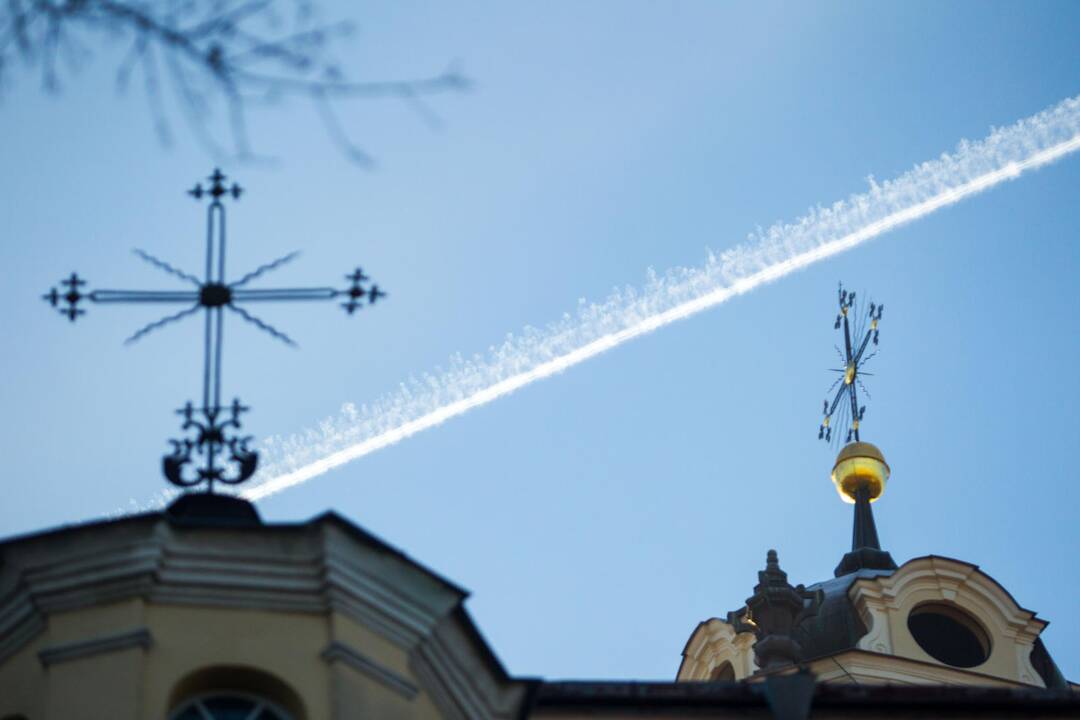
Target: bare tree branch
(217, 56)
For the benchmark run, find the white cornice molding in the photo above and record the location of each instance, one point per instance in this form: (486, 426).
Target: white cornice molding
(340, 652)
(866, 666)
(317, 567)
(458, 676)
(139, 637)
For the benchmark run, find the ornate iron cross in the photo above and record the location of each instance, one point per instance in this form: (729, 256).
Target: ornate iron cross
(215, 440)
(849, 414)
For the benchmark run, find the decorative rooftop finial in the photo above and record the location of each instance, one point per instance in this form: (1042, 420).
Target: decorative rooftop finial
(222, 454)
(217, 188)
(841, 416)
(774, 612)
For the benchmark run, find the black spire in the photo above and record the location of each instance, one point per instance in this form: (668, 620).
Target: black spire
(866, 552)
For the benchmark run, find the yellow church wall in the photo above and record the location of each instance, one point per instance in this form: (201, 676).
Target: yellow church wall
(371, 644)
(74, 687)
(189, 639)
(22, 683)
(357, 697)
(140, 682)
(424, 708)
(289, 646)
(101, 687)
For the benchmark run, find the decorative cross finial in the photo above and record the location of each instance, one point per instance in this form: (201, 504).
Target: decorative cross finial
(357, 293)
(841, 416)
(215, 445)
(217, 188)
(71, 298)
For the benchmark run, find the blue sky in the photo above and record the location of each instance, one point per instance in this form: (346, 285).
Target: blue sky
(599, 515)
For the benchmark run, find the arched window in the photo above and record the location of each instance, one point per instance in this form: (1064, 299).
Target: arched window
(231, 692)
(229, 706)
(724, 672)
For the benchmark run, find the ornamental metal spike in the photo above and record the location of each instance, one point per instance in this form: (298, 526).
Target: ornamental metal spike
(843, 413)
(214, 444)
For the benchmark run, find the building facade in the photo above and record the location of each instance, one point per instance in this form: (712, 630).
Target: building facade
(204, 612)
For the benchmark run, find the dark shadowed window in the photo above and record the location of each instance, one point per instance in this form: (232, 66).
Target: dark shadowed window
(723, 672)
(949, 635)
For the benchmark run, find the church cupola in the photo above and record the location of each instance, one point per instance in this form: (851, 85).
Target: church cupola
(932, 620)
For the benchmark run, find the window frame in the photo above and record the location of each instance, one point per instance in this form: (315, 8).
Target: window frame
(198, 702)
(962, 619)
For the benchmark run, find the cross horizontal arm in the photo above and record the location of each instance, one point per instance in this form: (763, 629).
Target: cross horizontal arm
(143, 296)
(283, 294)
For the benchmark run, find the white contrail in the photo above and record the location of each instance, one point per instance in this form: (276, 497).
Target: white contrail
(767, 255)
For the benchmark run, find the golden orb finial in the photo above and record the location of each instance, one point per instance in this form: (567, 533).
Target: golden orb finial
(860, 464)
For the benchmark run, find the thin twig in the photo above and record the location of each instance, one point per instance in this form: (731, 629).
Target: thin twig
(217, 53)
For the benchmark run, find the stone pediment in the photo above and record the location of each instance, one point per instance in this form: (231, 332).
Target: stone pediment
(963, 595)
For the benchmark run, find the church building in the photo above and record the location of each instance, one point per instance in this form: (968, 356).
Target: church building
(204, 612)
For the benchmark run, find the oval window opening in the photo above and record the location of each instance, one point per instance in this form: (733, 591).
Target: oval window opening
(949, 635)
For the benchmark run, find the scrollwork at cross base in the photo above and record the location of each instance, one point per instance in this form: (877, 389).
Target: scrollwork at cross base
(214, 451)
(214, 442)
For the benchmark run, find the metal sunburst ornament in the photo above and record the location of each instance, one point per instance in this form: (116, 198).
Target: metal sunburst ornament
(841, 415)
(215, 445)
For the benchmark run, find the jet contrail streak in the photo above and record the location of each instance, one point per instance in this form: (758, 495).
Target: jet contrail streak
(1005, 154)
